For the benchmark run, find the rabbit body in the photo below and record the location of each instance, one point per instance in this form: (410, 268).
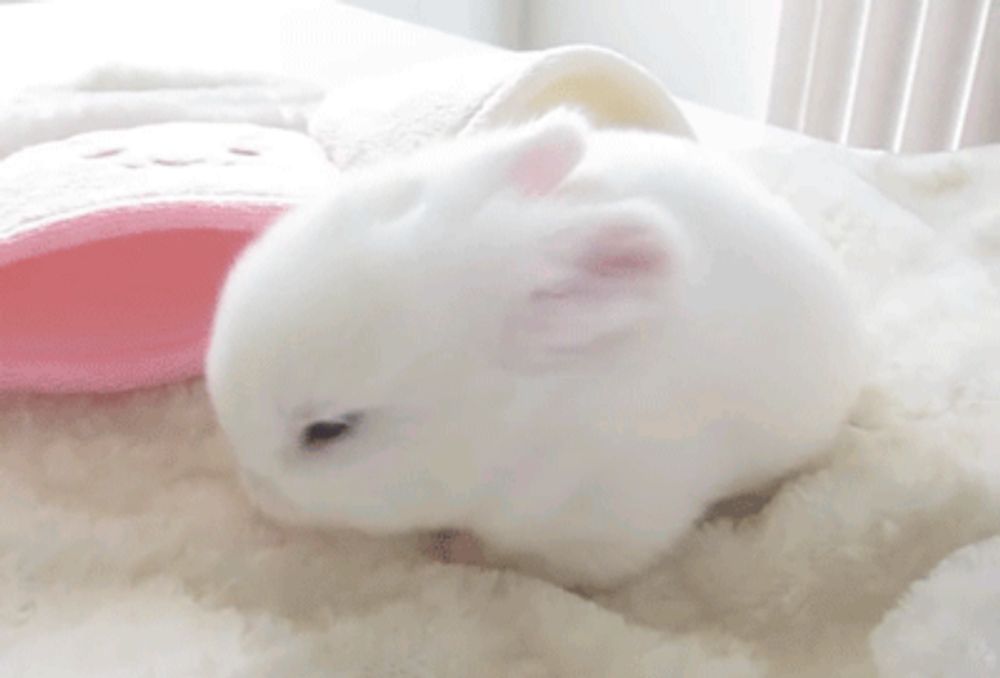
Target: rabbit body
(568, 341)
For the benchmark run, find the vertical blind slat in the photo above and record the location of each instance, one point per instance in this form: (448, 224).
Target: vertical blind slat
(889, 48)
(837, 49)
(791, 62)
(908, 80)
(944, 63)
(981, 124)
(904, 75)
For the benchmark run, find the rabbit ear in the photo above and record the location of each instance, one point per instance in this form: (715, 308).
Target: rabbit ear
(535, 162)
(600, 279)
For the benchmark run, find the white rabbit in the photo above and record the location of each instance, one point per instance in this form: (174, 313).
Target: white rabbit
(566, 341)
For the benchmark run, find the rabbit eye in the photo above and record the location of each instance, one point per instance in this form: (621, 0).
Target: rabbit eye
(320, 433)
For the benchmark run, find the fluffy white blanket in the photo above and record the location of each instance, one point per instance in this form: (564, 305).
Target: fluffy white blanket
(127, 548)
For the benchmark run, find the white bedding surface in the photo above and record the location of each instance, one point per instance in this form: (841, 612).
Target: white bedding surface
(128, 549)
(127, 544)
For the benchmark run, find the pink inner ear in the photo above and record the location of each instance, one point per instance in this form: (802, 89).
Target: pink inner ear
(539, 170)
(623, 251)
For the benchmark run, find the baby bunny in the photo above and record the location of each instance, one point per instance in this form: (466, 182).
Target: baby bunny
(567, 341)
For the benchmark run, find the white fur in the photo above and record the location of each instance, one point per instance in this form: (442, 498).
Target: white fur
(127, 547)
(407, 294)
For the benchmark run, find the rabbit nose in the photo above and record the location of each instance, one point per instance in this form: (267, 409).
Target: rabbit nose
(269, 500)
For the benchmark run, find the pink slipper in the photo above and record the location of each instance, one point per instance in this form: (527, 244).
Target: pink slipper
(114, 244)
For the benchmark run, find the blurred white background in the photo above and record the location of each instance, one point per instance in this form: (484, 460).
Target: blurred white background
(717, 52)
(906, 75)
